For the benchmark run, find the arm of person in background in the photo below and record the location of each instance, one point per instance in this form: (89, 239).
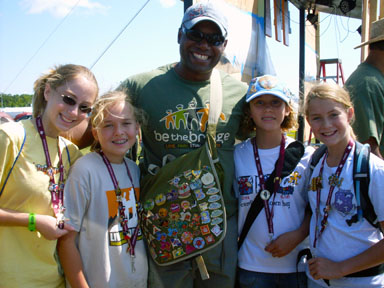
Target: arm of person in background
(45, 224)
(322, 268)
(70, 260)
(80, 135)
(374, 146)
(286, 242)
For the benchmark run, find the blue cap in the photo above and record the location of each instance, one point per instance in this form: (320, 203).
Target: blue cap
(205, 11)
(268, 84)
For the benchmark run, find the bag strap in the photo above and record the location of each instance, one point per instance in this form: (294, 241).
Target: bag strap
(14, 162)
(215, 98)
(293, 153)
(215, 107)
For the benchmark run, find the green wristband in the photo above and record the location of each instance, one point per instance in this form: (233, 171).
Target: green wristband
(31, 222)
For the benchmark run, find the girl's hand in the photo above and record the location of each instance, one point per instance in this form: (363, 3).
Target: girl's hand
(283, 244)
(322, 268)
(46, 225)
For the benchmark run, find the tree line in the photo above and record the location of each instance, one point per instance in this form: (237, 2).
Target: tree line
(23, 100)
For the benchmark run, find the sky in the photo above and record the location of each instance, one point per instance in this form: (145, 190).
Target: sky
(117, 40)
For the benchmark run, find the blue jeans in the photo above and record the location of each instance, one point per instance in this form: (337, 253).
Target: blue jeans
(250, 279)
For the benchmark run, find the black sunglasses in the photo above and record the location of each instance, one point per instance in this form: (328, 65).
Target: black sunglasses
(197, 36)
(72, 102)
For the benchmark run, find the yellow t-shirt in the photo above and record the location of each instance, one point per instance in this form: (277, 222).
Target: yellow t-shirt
(27, 260)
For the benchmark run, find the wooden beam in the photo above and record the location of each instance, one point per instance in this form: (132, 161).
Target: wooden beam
(286, 24)
(372, 11)
(364, 29)
(267, 18)
(278, 19)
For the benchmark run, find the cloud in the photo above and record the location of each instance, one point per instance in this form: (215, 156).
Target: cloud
(168, 3)
(60, 8)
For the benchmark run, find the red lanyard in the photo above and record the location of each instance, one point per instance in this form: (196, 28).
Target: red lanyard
(333, 182)
(265, 194)
(55, 189)
(122, 216)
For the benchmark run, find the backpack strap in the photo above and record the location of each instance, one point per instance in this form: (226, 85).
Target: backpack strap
(361, 181)
(365, 208)
(14, 162)
(316, 156)
(293, 154)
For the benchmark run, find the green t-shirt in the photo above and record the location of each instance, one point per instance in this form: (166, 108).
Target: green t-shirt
(366, 87)
(177, 112)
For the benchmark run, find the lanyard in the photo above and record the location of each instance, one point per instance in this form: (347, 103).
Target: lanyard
(55, 189)
(333, 182)
(122, 215)
(264, 193)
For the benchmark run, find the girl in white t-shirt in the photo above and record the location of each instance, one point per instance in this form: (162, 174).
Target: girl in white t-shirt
(267, 257)
(341, 247)
(106, 249)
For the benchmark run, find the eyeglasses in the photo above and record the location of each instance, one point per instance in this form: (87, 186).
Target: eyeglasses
(197, 36)
(72, 102)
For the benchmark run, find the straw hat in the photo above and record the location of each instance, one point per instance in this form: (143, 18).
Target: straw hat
(377, 33)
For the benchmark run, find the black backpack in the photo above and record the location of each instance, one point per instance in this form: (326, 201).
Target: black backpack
(360, 180)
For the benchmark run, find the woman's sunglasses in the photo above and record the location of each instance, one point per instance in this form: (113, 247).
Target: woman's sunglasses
(72, 102)
(197, 36)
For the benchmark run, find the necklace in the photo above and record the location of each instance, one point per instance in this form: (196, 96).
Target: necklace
(333, 182)
(264, 193)
(56, 190)
(131, 240)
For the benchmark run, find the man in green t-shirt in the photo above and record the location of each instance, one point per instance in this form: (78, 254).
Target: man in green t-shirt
(366, 87)
(176, 97)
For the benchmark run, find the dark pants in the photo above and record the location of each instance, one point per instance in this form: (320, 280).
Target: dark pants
(250, 279)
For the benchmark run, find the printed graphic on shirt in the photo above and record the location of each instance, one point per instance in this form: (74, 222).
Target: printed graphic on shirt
(287, 186)
(115, 230)
(186, 127)
(343, 202)
(245, 185)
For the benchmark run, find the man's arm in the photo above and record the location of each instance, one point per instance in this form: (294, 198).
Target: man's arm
(374, 146)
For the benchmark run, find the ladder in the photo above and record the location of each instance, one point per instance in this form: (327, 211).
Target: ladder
(339, 70)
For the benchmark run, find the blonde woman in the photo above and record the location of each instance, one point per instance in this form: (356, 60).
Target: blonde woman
(31, 195)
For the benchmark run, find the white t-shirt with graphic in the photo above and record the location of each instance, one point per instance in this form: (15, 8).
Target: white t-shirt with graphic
(288, 206)
(92, 209)
(341, 241)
